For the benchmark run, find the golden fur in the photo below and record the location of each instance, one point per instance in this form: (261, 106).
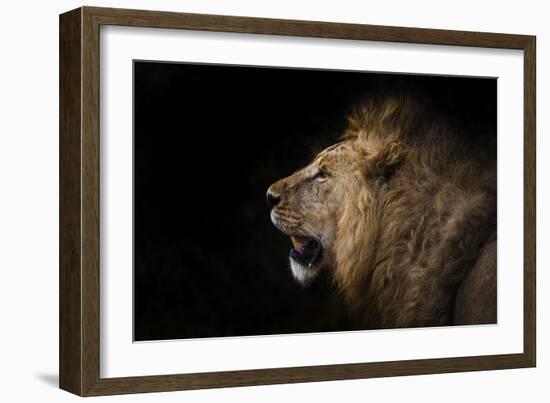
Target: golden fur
(408, 203)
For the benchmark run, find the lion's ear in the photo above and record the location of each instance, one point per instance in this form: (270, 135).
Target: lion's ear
(382, 161)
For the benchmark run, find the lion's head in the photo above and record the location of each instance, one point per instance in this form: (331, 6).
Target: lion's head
(322, 206)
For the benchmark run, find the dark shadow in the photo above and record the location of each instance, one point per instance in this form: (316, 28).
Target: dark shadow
(50, 379)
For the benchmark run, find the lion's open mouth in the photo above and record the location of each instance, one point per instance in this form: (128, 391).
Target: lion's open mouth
(306, 251)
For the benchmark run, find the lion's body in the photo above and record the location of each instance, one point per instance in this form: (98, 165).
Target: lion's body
(407, 234)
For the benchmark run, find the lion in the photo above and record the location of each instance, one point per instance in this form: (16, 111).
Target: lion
(402, 213)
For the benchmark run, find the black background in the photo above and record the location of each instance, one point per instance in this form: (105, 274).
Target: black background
(208, 141)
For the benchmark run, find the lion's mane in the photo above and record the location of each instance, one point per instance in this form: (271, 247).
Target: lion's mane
(406, 240)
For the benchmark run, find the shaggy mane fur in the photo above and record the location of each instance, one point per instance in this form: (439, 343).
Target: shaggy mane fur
(405, 241)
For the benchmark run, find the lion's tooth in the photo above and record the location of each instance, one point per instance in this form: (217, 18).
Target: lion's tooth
(297, 244)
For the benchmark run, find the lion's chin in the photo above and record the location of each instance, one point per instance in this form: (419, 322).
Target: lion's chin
(304, 275)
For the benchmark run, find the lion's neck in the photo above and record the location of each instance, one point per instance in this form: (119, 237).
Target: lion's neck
(409, 250)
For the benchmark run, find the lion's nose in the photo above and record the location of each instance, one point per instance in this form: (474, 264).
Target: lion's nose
(272, 199)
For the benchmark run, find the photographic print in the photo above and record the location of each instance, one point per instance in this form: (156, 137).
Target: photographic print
(251, 201)
(271, 200)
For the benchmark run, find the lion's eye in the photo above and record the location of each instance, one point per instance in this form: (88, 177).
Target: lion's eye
(320, 175)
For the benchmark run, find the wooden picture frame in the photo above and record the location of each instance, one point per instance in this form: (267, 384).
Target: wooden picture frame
(79, 201)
